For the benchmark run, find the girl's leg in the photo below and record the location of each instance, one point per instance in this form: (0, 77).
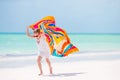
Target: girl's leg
(39, 64)
(49, 64)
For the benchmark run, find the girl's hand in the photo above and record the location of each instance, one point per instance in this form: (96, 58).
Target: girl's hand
(28, 34)
(28, 27)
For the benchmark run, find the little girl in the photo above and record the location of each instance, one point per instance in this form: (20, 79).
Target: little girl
(42, 47)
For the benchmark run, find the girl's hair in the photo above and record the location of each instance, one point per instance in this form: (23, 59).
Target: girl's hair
(36, 31)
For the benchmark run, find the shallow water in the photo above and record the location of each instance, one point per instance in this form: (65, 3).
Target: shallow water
(20, 44)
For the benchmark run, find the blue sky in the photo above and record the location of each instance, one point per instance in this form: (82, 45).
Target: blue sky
(76, 16)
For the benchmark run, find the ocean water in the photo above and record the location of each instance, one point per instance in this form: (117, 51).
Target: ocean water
(20, 44)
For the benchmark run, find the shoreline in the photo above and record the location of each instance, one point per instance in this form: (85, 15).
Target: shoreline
(78, 57)
(80, 52)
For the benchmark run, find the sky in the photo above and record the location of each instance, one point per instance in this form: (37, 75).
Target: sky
(75, 16)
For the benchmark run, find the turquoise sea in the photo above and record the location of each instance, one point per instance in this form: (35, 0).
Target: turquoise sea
(12, 44)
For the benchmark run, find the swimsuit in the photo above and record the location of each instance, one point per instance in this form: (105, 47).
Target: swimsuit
(43, 48)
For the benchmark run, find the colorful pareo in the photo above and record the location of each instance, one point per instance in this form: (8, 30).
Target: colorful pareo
(57, 38)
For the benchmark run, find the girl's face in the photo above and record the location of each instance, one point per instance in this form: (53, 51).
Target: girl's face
(36, 34)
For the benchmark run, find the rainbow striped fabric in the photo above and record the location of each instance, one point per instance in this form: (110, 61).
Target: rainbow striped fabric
(57, 38)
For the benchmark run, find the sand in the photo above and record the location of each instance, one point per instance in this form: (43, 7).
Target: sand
(80, 66)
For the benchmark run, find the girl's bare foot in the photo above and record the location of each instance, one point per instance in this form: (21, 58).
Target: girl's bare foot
(40, 74)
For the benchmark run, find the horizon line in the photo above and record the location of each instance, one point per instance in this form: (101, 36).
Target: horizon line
(67, 33)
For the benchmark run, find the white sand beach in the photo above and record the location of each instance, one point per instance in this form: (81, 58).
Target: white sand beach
(87, 66)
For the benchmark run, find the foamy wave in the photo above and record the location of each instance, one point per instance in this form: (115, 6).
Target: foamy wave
(15, 54)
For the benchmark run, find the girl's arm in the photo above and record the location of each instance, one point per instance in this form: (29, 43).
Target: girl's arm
(28, 34)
